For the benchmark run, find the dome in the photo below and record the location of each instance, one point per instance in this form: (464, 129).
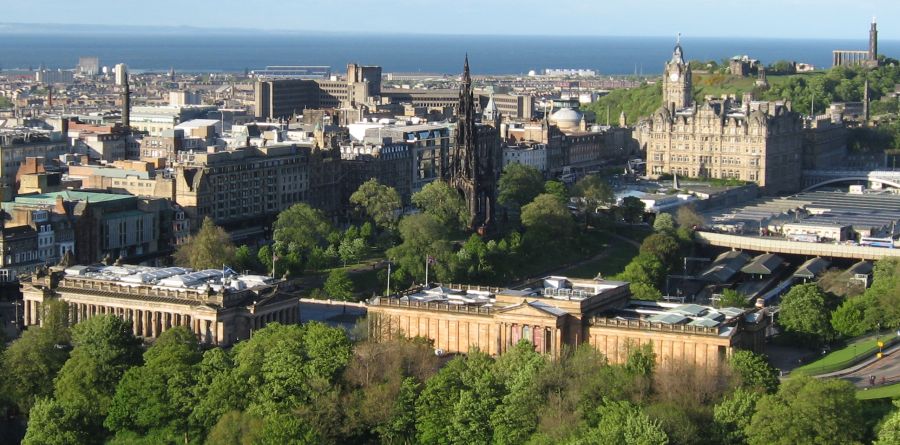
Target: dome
(566, 118)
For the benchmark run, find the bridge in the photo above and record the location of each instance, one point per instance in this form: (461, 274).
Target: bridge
(780, 245)
(813, 179)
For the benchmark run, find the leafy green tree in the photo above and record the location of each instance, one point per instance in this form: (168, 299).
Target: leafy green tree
(245, 259)
(889, 433)
(592, 192)
(401, 427)
(623, 423)
(218, 390)
(264, 256)
(808, 410)
(423, 236)
(338, 285)
(558, 189)
(32, 361)
(754, 371)
(104, 348)
(662, 246)
(885, 293)
(664, 223)
(732, 298)
(632, 209)
(645, 269)
(209, 248)
(298, 230)
(351, 250)
(515, 418)
(442, 202)
(51, 424)
(645, 291)
(641, 360)
(548, 223)
(382, 203)
(286, 429)
(805, 312)
(849, 319)
(367, 231)
(434, 408)
(156, 398)
(235, 428)
(519, 184)
(733, 414)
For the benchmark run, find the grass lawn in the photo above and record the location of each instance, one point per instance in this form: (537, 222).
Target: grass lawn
(842, 358)
(889, 391)
(616, 256)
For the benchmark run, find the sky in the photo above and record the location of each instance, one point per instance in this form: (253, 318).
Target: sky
(819, 19)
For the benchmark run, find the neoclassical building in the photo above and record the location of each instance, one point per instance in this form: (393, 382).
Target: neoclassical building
(723, 138)
(219, 306)
(558, 312)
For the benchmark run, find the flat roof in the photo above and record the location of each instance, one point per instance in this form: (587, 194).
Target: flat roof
(71, 195)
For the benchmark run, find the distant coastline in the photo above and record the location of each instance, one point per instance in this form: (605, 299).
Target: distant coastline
(208, 50)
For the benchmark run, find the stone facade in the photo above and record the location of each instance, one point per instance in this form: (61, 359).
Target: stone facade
(218, 317)
(751, 141)
(559, 313)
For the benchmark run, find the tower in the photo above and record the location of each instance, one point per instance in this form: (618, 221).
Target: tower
(475, 159)
(677, 80)
(126, 103)
(491, 114)
(873, 43)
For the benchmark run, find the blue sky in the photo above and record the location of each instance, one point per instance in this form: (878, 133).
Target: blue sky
(837, 19)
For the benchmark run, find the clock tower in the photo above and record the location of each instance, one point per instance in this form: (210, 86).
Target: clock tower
(677, 80)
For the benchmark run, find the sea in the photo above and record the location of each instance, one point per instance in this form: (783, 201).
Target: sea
(206, 52)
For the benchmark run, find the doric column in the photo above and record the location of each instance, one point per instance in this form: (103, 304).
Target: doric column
(26, 315)
(148, 332)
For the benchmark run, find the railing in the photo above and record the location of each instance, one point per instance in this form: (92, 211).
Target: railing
(650, 326)
(443, 307)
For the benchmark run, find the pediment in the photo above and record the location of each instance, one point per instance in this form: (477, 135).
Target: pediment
(527, 309)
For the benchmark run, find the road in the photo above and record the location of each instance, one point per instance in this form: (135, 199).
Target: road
(888, 367)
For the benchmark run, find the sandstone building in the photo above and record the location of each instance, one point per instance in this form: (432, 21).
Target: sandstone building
(558, 312)
(219, 306)
(749, 140)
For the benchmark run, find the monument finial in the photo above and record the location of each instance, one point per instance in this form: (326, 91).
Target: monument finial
(678, 38)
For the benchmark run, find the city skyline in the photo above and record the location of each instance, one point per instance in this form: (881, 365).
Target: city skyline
(701, 18)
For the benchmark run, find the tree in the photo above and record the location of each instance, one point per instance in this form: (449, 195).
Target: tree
(808, 410)
(754, 371)
(235, 428)
(286, 429)
(632, 209)
(51, 424)
(623, 423)
(32, 361)
(732, 298)
(423, 237)
(299, 229)
(592, 192)
(104, 349)
(209, 248)
(245, 259)
(849, 319)
(889, 433)
(382, 203)
(351, 250)
(547, 221)
(519, 185)
(338, 285)
(442, 202)
(661, 245)
(401, 426)
(733, 414)
(664, 223)
(645, 291)
(558, 189)
(646, 269)
(687, 216)
(805, 312)
(156, 398)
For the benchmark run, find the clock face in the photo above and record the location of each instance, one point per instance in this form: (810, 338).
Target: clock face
(673, 76)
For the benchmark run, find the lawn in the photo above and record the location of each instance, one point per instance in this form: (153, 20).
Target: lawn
(617, 255)
(889, 391)
(853, 353)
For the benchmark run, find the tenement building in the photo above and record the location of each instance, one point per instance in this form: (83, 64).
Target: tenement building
(558, 312)
(749, 140)
(219, 306)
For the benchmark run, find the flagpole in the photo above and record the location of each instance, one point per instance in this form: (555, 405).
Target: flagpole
(426, 270)
(388, 280)
(273, 261)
